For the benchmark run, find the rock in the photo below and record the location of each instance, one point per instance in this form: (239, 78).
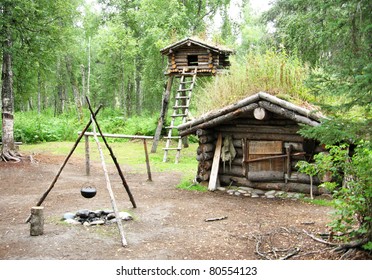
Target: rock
(254, 195)
(242, 191)
(237, 193)
(107, 211)
(259, 192)
(68, 216)
(280, 194)
(270, 193)
(230, 192)
(222, 189)
(83, 213)
(72, 222)
(270, 196)
(97, 222)
(110, 216)
(86, 224)
(248, 189)
(247, 194)
(125, 216)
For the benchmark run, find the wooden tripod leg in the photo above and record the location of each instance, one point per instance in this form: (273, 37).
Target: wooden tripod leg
(108, 186)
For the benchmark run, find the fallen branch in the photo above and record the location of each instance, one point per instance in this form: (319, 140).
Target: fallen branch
(215, 219)
(319, 240)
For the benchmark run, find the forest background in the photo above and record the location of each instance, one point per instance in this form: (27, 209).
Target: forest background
(58, 52)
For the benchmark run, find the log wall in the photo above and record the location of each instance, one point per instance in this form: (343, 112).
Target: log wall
(267, 152)
(207, 62)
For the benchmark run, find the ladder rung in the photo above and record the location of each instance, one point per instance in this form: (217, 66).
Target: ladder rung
(186, 82)
(167, 149)
(184, 89)
(179, 115)
(180, 106)
(167, 127)
(182, 97)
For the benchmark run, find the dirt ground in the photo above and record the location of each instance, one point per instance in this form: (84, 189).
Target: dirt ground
(169, 223)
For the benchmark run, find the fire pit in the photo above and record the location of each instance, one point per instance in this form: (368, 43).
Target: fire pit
(97, 217)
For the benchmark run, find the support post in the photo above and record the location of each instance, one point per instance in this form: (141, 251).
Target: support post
(37, 221)
(163, 113)
(147, 161)
(213, 179)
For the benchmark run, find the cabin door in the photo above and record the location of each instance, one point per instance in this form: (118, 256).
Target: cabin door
(264, 160)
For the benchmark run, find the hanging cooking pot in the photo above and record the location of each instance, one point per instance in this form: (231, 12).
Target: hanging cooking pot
(88, 192)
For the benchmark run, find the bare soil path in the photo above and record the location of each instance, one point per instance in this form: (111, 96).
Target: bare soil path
(169, 223)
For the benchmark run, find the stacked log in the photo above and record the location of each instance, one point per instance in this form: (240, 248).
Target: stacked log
(239, 170)
(205, 153)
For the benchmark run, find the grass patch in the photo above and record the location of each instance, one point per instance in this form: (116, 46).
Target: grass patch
(130, 153)
(319, 201)
(188, 184)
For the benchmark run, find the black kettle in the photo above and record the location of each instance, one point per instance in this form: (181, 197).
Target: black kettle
(88, 192)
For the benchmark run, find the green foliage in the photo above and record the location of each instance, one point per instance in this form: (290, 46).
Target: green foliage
(273, 72)
(353, 194)
(31, 127)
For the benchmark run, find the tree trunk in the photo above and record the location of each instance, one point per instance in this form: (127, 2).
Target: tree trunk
(8, 151)
(75, 88)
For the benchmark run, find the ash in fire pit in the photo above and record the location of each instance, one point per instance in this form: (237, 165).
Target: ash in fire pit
(97, 217)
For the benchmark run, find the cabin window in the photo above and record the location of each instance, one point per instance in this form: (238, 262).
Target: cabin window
(192, 60)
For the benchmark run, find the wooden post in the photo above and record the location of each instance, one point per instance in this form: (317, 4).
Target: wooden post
(37, 221)
(108, 186)
(87, 156)
(215, 165)
(147, 161)
(163, 113)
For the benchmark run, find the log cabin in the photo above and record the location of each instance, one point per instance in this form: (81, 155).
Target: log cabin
(191, 53)
(255, 143)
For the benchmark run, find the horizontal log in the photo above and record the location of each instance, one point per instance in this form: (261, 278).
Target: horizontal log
(216, 121)
(293, 129)
(265, 176)
(287, 187)
(246, 120)
(290, 106)
(204, 148)
(204, 156)
(261, 114)
(203, 177)
(205, 165)
(201, 132)
(287, 113)
(263, 136)
(220, 112)
(206, 138)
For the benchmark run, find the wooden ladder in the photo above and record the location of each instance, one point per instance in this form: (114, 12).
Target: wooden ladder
(180, 111)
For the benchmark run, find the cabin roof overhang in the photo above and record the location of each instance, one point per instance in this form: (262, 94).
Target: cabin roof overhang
(192, 41)
(262, 99)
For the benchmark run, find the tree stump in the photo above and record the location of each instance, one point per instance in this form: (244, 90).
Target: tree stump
(37, 221)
